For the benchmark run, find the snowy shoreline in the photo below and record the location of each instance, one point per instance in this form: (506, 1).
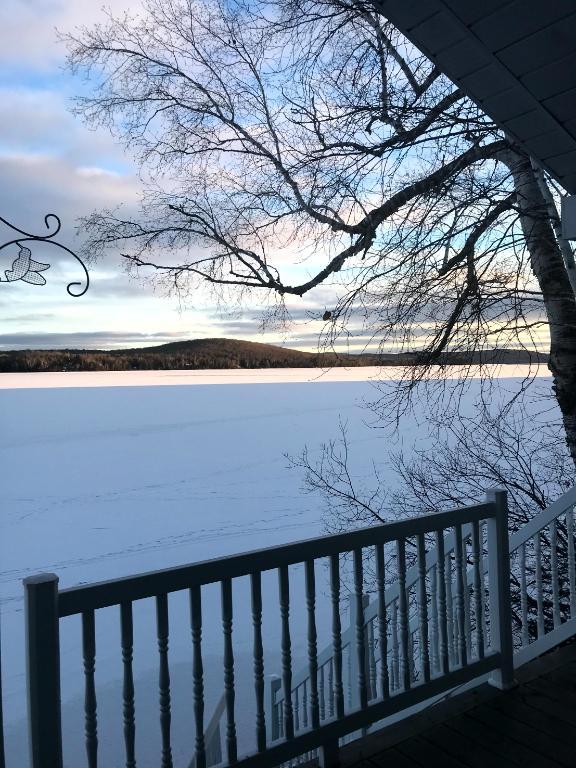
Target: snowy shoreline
(57, 380)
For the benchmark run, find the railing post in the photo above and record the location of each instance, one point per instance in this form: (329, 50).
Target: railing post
(329, 754)
(43, 670)
(214, 747)
(499, 581)
(2, 756)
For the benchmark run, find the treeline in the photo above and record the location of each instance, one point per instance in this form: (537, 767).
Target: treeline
(202, 354)
(63, 360)
(147, 359)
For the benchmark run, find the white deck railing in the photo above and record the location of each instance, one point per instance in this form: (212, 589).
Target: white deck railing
(542, 576)
(348, 687)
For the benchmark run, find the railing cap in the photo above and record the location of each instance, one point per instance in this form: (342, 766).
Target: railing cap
(105, 593)
(493, 494)
(40, 578)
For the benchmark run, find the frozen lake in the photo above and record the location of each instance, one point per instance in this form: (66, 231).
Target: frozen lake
(110, 474)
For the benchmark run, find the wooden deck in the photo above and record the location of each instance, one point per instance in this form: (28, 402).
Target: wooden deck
(534, 725)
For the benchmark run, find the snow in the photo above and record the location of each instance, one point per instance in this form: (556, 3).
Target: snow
(111, 474)
(231, 376)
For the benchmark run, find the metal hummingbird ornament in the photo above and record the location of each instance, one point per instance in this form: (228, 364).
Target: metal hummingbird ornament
(27, 269)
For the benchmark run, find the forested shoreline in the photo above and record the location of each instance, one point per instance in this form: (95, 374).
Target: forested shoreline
(204, 354)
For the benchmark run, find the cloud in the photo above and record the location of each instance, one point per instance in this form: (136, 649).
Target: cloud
(104, 339)
(50, 162)
(36, 121)
(39, 184)
(32, 317)
(86, 340)
(28, 36)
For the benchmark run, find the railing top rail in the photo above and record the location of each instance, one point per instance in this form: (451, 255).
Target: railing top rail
(106, 593)
(543, 518)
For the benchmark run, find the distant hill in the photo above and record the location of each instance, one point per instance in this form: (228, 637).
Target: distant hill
(202, 354)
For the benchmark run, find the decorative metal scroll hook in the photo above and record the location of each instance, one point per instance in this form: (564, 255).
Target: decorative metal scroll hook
(28, 270)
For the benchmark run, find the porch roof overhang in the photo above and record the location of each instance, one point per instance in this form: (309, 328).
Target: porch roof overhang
(515, 58)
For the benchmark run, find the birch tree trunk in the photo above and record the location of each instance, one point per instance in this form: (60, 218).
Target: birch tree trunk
(549, 268)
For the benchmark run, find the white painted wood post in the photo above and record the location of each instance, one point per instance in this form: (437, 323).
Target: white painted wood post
(499, 584)
(43, 670)
(571, 560)
(2, 756)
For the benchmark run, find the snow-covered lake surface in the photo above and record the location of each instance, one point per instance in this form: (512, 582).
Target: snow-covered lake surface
(111, 474)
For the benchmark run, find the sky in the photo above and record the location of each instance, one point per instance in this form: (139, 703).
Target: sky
(50, 162)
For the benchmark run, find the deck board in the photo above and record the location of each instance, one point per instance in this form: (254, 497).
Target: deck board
(459, 747)
(532, 745)
(510, 751)
(423, 753)
(519, 708)
(532, 726)
(541, 702)
(397, 760)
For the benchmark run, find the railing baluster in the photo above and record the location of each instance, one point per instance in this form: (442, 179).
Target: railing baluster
(524, 596)
(297, 709)
(229, 690)
(460, 618)
(164, 678)
(411, 664)
(198, 673)
(331, 688)
(450, 610)
(127, 640)
(382, 621)
(284, 590)
(435, 656)
(484, 591)
(455, 633)
(371, 661)
(305, 703)
(258, 655)
(467, 598)
(571, 560)
(312, 642)
(442, 617)
(336, 634)
(349, 670)
(89, 658)
(554, 572)
(322, 694)
(478, 589)
(395, 655)
(360, 640)
(403, 615)
(423, 608)
(539, 596)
